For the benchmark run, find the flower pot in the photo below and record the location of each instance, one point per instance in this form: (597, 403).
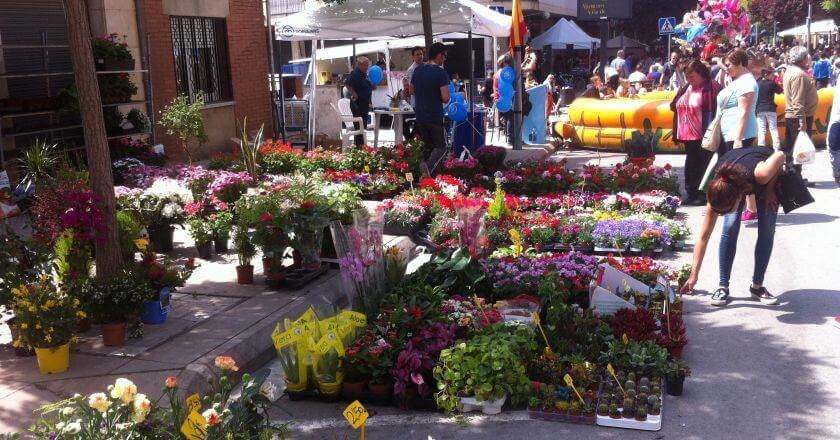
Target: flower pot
(489, 407)
(674, 385)
(205, 250)
(54, 359)
(377, 388)
(329, 388)
(156, 311)
(245, 274)
(295, 387)
(114, 65)
(15, 331)
(220, 244)
(161, 237)
(113, 335)
(82, 325)
(353, 387)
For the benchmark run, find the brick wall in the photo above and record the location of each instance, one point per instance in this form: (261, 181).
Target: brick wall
(248, 64)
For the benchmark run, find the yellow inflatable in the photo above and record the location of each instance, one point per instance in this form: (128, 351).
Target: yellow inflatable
(637, 124)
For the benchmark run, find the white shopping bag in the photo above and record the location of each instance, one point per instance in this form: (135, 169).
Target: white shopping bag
(803, 149)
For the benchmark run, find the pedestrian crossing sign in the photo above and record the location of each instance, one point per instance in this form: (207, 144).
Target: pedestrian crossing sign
(667, 25)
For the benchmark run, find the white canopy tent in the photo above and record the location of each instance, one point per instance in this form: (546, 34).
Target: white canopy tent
(375, 19)
(817, 27)
(563, 33)
(378, 19)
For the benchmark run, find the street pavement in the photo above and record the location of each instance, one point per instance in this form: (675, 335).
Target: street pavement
(759, 372)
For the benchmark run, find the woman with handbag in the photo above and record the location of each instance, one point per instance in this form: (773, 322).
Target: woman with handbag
(742, 171)
(738, 122)
(694, 108)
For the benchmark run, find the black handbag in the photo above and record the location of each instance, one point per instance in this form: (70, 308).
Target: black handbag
(792, 191)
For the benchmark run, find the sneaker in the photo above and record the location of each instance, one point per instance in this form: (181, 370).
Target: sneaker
(764, 296)
(720, 297)
(748, 215)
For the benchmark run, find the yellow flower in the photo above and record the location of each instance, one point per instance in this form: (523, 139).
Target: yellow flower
(99, 402)
(141, 243)
(38, 326)
(24, 326)
(124, 390)
(142, 406)
(81, 315)
(32, 309)
(48, 338)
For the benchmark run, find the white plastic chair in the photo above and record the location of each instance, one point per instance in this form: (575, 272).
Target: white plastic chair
(348, 121)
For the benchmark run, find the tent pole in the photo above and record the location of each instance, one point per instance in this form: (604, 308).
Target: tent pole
(471, 59)
(312, 97)
(517, 100)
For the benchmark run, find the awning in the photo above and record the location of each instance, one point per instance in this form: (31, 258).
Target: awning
(817, 27)
(374, 19)
(564, 32)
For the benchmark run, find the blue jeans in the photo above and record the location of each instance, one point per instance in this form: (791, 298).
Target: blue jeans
(834, 148)
(763, 244)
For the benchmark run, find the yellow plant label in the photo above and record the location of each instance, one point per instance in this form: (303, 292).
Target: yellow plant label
(308, 316)
(611, 369)
(618, 382)
(571, 383)
(624, 339)
(355, 319)
(193, 403)
(285, 339)
(367, 169)
(356, 414)
(330, 340)
(536, 317)
(194, 427)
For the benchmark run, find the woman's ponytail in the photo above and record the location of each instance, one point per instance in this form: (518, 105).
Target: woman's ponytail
(727, 187)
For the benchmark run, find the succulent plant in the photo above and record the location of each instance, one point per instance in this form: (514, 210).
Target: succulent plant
(614, 411)
(603, 409)
(644, 382)
(631, 393)
(644, 389)
(655, 408)
(631, 376)
(656, 390)
(629, 403)
(629, 385)
(641, 413)
(651, 400)
(642, 398)
(621, 376)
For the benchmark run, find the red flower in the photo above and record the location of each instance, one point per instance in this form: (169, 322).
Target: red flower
(596, 180)
(266, 217)
(307, 205)
(190, 263)
(156, 274)
(415, 312)
(667, 167)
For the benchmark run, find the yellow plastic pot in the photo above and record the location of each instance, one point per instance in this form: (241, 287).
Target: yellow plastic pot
(330, 388)
(53, 360)
(296, 387)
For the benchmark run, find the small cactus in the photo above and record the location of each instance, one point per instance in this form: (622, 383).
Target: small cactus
(629, 385)
(655, 408)
(641, 413)
(651, 400)
(644, 389)
(603, 409)
(628, 403)
(642, 397)
(631, 376)
(644, 382)
(631, 393)
(656, 390)
(614, 411)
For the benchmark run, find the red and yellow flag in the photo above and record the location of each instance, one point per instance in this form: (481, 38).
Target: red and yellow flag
(517, 26)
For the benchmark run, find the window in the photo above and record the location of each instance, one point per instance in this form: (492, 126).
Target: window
(201, 58)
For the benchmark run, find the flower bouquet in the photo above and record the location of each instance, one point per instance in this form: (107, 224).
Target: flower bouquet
(470, 214)
(491, 158)
(361, 261)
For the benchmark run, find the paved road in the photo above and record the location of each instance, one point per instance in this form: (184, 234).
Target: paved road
(760, 372)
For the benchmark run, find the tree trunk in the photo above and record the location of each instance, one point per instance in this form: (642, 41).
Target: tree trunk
(108, 255)
(426, 10)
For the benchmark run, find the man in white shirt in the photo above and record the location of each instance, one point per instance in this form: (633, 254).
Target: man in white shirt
(417, 54)
(620, 64)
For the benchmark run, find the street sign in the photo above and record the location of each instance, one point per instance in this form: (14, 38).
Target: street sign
(667, 25)
(598, 9)
(498, 8)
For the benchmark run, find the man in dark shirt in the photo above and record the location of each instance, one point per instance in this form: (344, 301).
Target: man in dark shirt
(430, 87)
(360, 93)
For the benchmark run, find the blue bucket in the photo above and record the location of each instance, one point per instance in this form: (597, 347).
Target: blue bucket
(156, 311)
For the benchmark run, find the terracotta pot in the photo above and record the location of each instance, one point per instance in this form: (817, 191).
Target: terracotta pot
(353, 387)
(380, 388)
(113, 335)
(83, 325)
(245, 274)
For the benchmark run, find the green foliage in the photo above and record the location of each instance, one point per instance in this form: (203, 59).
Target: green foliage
(114, 299)
(455, 272)
(498, 208)
(487, 367)
(138, 119)
(112, 47)
(201, 231)
(71, 262)
(250, 149)
(129, 230)
(39, 162)
(646, 357)
(245, 249)
(221, 224)
(831, 5)
(184, 120)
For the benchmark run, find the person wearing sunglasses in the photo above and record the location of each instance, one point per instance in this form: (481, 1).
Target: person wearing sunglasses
(741, 171)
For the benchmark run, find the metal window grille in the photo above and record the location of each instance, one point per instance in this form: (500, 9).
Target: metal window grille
(284, 7)
(200, 46)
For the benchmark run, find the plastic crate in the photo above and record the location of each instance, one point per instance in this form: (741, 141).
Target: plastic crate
(296, 113)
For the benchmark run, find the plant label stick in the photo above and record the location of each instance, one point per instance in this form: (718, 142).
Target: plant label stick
(571, 383)
(356, 414)
(536, 317)
(194, 427)
(481, 309)
(193, 403)
(612, 372)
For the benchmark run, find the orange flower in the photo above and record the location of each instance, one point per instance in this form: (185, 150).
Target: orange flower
(212, 416)
(171, 382)
(226, 363)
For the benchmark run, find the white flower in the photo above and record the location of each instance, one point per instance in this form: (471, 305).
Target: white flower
(142, 407)
(72, 428)
(68, 411)
(99, 402)
(269, 390)
(124, 390)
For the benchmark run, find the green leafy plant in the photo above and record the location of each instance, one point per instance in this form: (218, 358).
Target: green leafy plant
(201, 231)
(250, 149)
(111, 47)
(114, 299)
(184, 120)
(245, 249)
(138, 119)
(39, 162)
(222, 224)
(129, 231)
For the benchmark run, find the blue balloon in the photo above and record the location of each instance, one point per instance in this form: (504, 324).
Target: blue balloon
(504, 105)
(507, 75)
(694, 32)
(457, 111)
(375, 75)
(505, 88)
(451, 89)
(457, 97)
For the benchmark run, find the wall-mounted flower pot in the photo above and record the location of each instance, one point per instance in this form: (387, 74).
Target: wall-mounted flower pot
(113, 335)
(114, 65)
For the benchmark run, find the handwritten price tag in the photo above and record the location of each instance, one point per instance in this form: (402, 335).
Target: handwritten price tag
(409, 177)
(285, 339)
(194, 427)
(193, 403)
(356, 414)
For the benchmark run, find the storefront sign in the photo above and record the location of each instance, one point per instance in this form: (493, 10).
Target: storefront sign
(598, 9)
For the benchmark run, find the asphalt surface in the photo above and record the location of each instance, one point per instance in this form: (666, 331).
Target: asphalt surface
(759, 372)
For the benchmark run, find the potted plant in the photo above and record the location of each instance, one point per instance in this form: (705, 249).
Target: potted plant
(676, 370)
(46, 317)
(679, 233)
(184, 120)
(129, 233)
(266, 213)
(110, 52)
(647, 243)
(159, 207)
(202, 233)
(245, 251)
(327, 373)
(116, 88)
(113, 301)
(491, 158)
(354, 370)
(163, 277)
(138, 120)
